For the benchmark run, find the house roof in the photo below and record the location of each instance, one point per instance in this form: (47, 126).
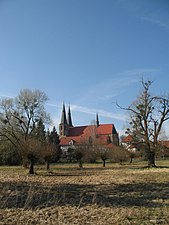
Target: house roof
(81, 134)
(127, 139)
(165, 143)
(66, 140)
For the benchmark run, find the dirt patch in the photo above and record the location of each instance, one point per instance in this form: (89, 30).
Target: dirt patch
(89, 196)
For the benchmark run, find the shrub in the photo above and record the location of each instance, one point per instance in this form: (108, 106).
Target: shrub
(119, 155)
(9, 156)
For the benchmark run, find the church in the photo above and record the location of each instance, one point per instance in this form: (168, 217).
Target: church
(100, 134)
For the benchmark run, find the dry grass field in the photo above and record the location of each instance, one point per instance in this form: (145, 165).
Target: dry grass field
(117, 194)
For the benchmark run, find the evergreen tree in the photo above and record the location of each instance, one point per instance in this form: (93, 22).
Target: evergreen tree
(54, 137)
(51, 150)
(39, 131)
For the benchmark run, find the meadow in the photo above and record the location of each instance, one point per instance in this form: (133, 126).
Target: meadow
(117, 194)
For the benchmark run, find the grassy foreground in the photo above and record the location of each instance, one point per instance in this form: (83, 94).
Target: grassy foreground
(117, 194)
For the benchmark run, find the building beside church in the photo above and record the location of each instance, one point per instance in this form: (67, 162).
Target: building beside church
(101, 134)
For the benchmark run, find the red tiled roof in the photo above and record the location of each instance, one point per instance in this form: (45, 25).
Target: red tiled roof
(110, 145)
(165, 143)
(127, 139)
(77, 131)
(81, 134)
(102, 129)
(66, 140)
(105, 129)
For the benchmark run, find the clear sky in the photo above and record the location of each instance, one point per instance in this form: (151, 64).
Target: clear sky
(87, 53)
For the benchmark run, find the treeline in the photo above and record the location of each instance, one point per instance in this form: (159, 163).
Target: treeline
(41, 147)
(92, 153)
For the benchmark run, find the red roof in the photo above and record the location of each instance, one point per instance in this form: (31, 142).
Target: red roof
(82, 134)
(105, 129)
(66, 140)
(165, 143)
(128, 138)
(76, 131)
(102, 129)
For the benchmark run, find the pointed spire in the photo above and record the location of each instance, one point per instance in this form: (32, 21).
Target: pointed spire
(63, 117)
(97, 120)
(69, 118)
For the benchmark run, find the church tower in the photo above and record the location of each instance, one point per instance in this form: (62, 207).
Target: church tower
(69, 118)
(97, 120)
(63, 126)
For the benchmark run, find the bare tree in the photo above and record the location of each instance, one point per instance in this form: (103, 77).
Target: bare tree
(148, 114)
(19, 117)
(103, 153)
(47, 151)
(79, 153)
(30, 150)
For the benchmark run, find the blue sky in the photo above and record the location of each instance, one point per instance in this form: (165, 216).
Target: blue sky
(87, 53)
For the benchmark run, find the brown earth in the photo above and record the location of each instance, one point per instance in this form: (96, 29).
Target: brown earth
(117, 194)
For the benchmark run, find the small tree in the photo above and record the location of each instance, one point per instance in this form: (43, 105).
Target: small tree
(103, 153)
(79, 152)
(133, 153)
(30, 149)
(90, 153)
(47, 151)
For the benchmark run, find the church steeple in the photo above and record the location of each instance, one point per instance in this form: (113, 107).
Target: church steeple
(63, 126)
(69, 118)
(63, 117)
(97, 120)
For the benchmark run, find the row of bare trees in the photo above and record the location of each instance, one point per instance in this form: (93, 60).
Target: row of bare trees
(92, 153)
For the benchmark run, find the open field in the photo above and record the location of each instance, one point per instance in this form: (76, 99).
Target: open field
(117, 194)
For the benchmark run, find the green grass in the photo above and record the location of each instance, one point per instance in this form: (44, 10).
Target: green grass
(116, 194)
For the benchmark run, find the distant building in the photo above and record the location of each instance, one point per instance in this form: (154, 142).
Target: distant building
(130, 145)
(164, 143)
(101, 134)
(127, 143)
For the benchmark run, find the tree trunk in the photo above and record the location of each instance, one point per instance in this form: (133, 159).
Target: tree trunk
(151, 159)
(150, 155)
(47, 165)
(104, 162)
(80, 164)
(31, 168)
(25, 164)
(131, 159)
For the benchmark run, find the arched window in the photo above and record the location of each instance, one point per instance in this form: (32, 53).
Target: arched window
(90, 140)
(108, 140)
(71, 142)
